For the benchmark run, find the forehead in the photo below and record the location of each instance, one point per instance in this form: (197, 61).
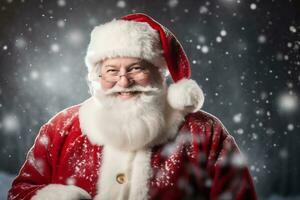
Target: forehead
(121, 61)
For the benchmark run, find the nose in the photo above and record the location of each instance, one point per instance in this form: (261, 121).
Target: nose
(124, 82)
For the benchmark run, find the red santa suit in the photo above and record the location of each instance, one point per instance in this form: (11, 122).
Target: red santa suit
(195, 158)
(202, 161)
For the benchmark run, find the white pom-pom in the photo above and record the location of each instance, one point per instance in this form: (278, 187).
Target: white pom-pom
(185, 95)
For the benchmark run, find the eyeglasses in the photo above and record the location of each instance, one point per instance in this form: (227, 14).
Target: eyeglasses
(135, 72)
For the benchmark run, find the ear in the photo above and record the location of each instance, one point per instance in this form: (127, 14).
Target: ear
(185, 95)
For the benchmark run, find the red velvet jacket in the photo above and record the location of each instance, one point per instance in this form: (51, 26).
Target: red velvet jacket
(202, 162)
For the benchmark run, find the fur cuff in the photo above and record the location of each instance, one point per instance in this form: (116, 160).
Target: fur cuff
(61, 192)
(185, 95)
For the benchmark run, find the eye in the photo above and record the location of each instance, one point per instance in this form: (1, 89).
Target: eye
(111, 71)
(136, 69)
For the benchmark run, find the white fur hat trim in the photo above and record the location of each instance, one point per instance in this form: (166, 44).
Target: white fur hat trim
(121, 38)
(185, 95)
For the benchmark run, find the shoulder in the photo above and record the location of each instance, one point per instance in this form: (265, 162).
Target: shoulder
(206, 126)
(65, 117)
(202, 118)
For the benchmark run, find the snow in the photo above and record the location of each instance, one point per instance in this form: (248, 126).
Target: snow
(293, 29)
(20, 43)
(229, 42)
(61, 3)
(218, 39)
(290, 127)
(34, 74)
(44, 140)
(205, 49)
(288, 102)
(203, 10)
(71, 181)
(55, 47)
(10, 123)
(75, 37)
(261, 39)
(237, 118)
(223, 33)
(253, 6)
(121, 4)
(172, 3)
(201, 39)
(240, 131)
(61, 23)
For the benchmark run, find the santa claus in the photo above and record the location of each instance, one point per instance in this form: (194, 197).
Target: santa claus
(136, 137)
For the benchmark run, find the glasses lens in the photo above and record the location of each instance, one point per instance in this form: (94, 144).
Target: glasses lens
(137, 76)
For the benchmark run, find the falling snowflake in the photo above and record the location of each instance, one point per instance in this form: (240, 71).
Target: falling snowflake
(288, 102)
(44, 140)
(173, 3)
(61, 23)
(205, 49)
(219, 39)
(240, 131)
(270, 131)
(293, 29)
(75, 37)
(121, 4)
(290, 127)
(38, 164)
(237, 118)
(238, 160)
(61, 3)
(55, 48)
(201, 39)
(10, 123)
(34, 74)
(70, 181)
(20, 43)
(261, 39)
(253, 6)
(223, 33)
(254, 136)
(203, 10)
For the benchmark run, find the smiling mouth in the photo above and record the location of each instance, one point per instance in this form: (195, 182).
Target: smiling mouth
(127, 95)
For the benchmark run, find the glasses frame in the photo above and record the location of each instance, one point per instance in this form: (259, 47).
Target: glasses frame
(128, 75)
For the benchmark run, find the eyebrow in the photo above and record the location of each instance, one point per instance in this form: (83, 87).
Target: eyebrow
(139, 62)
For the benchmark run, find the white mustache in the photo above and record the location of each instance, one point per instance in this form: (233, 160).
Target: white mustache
(135, 88)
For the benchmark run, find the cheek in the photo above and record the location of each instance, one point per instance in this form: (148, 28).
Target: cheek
(106, 85)
(144, 82)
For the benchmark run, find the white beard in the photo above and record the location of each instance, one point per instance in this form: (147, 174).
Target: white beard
(133, 123)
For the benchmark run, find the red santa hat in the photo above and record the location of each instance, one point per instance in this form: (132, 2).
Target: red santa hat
(138, 35)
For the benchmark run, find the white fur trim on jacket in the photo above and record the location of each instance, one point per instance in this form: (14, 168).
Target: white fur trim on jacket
(141, 174)
(136, 168)
(185, 95)
(61, 192)
(120, 38)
